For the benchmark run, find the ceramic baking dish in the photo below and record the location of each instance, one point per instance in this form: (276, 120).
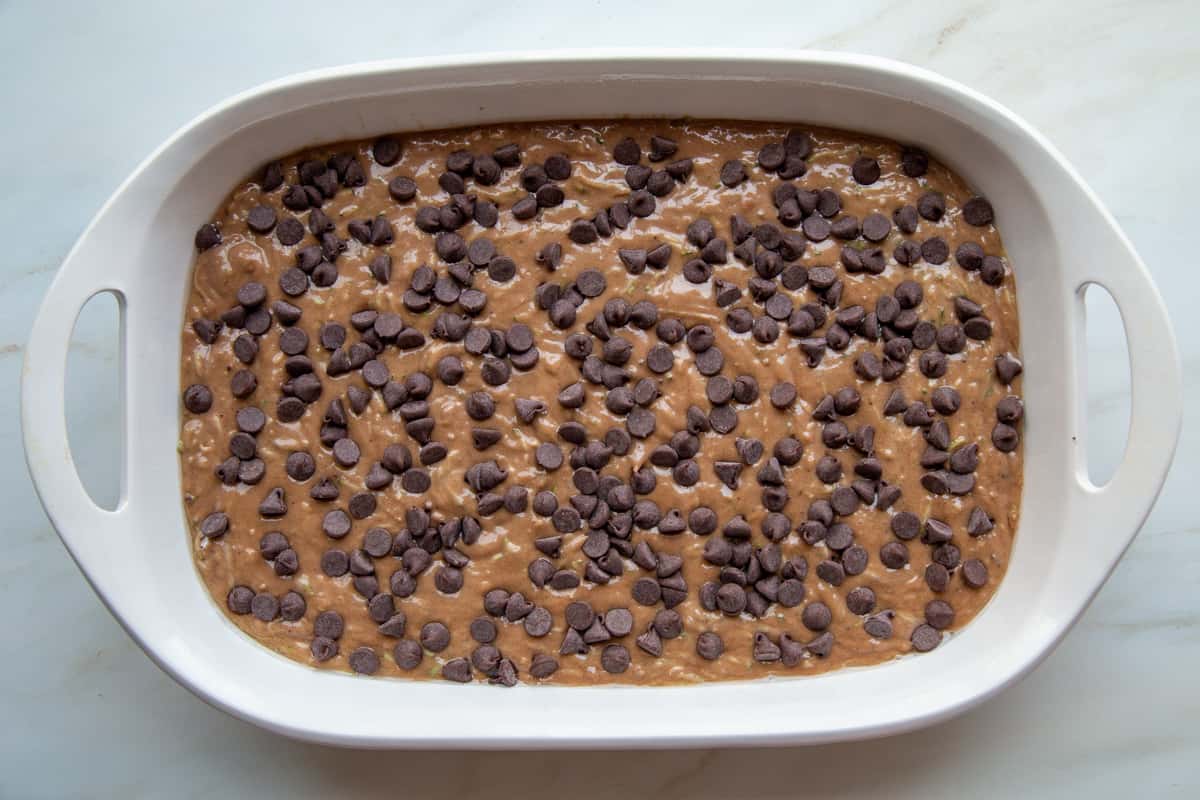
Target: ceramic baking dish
(1059, 239)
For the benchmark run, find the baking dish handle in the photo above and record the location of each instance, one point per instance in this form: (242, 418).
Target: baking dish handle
(83, 526)
(1156, 410)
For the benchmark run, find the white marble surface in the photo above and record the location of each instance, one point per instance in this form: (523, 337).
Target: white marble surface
(87, 90)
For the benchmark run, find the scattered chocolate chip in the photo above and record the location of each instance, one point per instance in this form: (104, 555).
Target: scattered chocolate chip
(978, 522)
(709, 646)
(865, 170)
(733, 173)
(197, 398)
(977, 211)
(1005, 437)
(207, 237)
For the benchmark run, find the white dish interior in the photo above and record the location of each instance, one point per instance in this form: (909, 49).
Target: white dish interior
(1058, 238)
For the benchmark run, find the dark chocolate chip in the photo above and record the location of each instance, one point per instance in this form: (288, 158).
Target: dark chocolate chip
(627, 151)
(733, 172)
(865, 170)
(816, 616)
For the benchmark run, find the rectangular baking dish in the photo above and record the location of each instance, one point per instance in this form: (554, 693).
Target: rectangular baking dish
(1059, 239)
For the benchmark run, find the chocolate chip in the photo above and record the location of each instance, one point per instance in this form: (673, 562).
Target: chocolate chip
(435, 637)
(660, 183)
(860, 600)
(790, 593)
(272, 544)
(925, 638)
(937, 578)
(709, 646)
(289, 231)
(583, 231)
(764, 650)
(992, 271)
(816, 229)
(637, 175)
(965, 459)
(273, 505)
(816, 616)
(831, 572)
(264, 607)
(977, 211)
(731, 599)
(364, 661)
(323, 648)
(627, 151)
(1005, 438)
(646, 591)
(978, 328)
(197, 398)
(542, 666)
(615, 659)
(733, 173)
(950, 338)
(894, 555)
(345, 453)
(495, 372)
(978, 522)
(933, 364)
(407, 654)
(772, 156)
(261, 219)
(710, 361)
(292, 606)
(1010, 409)
(457, 670)
(783, 395)
(538, 622)
(364, 583)
(329, 625)
(214, 525)
(969, 256)
(939, 614)
(660, 359)
(402, 188)
(876, 227)
(336, 524)
(207, 237)
(931, 206)
(642, 204)
(935, 250)
(483, 630)
(865, 170)
(386, 150)
(486, 659)
(579, 616)
(495, 601)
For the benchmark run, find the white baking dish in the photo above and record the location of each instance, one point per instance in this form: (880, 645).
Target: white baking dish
(1059, 239)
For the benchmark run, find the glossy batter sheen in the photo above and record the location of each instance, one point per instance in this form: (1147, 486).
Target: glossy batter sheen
(501, 556)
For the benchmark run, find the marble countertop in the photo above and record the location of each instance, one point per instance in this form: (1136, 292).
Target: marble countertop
(90, 89)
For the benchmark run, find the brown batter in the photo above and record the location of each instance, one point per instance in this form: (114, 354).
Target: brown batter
(502, 554)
